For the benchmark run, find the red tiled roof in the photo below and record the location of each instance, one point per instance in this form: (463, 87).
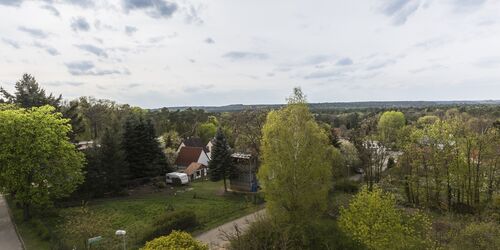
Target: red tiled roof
(195, 142)
(187, 155)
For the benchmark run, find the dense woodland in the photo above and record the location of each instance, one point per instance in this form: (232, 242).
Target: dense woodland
(431, 173)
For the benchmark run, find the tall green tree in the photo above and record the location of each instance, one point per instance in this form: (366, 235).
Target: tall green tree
(71, 111)
(246, 126)
(113, 161)
(296, 172)
(29, 94)
(221, 166)
(389, 125)
(37, 161)
(206, 131)
(143, 152)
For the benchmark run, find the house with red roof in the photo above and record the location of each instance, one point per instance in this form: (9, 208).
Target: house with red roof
(188, 155)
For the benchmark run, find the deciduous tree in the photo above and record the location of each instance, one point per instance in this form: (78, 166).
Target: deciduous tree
(373, 219)
(389, 126)
(37, 162)
(296, 172)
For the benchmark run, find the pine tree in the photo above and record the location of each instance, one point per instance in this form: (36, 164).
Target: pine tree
(76, 120)
(113, 164)
(142, 151)
(95, 184)
(221, 166)
(29, 94)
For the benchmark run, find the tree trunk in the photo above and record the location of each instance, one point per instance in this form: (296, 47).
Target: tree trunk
(225, 185)
(476, 184)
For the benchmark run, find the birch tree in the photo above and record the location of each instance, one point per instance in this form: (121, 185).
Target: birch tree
(295, 173)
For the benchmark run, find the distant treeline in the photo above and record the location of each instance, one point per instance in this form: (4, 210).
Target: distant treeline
(343, 105)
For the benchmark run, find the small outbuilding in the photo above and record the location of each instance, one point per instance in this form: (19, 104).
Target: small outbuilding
(246, 178)
(196, 171)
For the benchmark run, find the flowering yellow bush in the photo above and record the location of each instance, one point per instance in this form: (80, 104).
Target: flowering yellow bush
(176, 240)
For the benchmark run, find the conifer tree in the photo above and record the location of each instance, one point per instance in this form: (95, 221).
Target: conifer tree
(221, 166)
(29, 94)
(142, 151)
(113, 162)
(76, 120)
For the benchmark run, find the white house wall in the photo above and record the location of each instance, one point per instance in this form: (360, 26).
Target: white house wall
(203, 159)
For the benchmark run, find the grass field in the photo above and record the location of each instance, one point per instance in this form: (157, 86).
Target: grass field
(71, 226)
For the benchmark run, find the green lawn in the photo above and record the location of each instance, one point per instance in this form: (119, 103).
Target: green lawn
(70, 226)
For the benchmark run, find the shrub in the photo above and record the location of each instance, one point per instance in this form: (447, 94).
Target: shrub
(388, 225)
(160, 184)
(41, 230)
(158, 179)
(484, 235)
(462, 208)
(175, 240)
(264, 234)
(176, 220)
(346, 186)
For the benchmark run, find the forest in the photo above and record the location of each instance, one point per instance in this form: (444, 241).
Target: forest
(362, 176)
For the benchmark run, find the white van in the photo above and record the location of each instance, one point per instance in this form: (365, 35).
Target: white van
(175, 175)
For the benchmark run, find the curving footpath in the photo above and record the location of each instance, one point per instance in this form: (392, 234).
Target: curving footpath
(216, 239)
(8, 236)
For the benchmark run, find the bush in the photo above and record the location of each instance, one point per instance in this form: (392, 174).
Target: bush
(462, 208)
(138, 182)
(264, 234)
(389, 227)
(175, 240)
(41, 230)
(346, 186)
(160, 185)
(478, 236)
(176, 220)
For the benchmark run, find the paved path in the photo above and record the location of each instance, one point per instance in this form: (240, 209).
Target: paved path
(8, 235)
(215, 237)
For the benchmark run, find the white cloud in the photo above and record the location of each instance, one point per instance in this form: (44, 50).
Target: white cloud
(237, 51)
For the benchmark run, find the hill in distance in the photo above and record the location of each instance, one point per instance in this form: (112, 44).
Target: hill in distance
(342, 105)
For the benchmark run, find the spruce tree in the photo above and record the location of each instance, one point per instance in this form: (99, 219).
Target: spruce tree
(29, 94)
(221, 166)
(113, 164)
(142, 151)
(76, 120)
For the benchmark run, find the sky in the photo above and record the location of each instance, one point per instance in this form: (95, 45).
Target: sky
(160, 53)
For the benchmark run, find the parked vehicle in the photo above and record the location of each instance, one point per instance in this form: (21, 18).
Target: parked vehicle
(175, 175)
(359, 171)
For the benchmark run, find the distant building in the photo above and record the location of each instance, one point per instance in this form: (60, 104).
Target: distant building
(83, 145)
(194, 142)
(209, 147)
(188, 155)
(246, 167)
(196, 171)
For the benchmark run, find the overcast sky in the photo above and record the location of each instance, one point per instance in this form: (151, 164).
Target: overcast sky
(155, 53)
